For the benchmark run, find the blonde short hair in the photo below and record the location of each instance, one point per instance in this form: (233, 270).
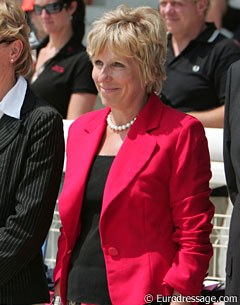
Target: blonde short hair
(139, 33)
(13, 26)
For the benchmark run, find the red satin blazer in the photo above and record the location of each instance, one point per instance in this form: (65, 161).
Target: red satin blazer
(155, 219)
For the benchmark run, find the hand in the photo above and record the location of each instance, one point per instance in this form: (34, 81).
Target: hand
(180, 303)
(56, 299)
(177, 294)
(57, 288)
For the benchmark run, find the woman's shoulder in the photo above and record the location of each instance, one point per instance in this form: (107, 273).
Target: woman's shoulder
(176, 121)
(78, 60)
(74, 48)
(78, 54)
(35, 108)
(171, 116)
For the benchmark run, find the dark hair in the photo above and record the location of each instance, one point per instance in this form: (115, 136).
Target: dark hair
(78, 21)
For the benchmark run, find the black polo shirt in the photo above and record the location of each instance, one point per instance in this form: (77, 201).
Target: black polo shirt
(196, 78)
(68, 72)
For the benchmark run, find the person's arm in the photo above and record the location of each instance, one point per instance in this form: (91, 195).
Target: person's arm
(225, 53)
(56, 298)
(213, 118)
(216, 12)
(57, 288)
(192, 210)
(79, 104)
(62, 242)
(35, 195)
(231, 132)
(83, 90)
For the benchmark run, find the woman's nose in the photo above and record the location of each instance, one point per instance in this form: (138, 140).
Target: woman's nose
(104, 74)
(44, 13)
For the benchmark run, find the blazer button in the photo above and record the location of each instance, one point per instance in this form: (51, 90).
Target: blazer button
(69, 252)
(113, 251)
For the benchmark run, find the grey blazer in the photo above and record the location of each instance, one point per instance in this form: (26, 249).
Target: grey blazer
(232, 171)
(31, 160)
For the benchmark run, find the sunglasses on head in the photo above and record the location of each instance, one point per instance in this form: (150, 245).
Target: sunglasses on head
(51, 8)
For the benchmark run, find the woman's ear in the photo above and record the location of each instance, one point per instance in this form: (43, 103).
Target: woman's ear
(72, 7)
(16, 48)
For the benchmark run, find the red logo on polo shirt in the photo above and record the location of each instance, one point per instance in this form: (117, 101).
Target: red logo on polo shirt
(58, 69)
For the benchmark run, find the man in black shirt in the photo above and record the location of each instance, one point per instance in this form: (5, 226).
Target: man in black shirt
(198, 59)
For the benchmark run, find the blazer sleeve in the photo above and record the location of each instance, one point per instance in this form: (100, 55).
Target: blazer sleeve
(231, 145)
(192, 210)
(35, 194)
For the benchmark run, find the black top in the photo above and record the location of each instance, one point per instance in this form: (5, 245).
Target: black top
(87, 280)
(196, 78)
(68, 72)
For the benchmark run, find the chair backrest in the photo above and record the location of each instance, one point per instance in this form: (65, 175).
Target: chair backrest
(44, 247)
(215, 145)
(66, 125)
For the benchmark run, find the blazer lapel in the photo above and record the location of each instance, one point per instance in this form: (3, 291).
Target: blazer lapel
(131, 158)
(135, 152)
(84, 146)
(9, 128)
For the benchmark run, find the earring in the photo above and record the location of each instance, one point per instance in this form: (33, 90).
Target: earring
(11, 60)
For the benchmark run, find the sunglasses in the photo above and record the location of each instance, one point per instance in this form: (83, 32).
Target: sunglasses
(51, 8)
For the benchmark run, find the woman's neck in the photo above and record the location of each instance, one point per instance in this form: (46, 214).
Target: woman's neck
(123, 115)
(6, 84)
(57, 41)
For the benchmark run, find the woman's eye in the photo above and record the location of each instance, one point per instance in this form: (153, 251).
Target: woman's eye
(98, 63)
(118, 64)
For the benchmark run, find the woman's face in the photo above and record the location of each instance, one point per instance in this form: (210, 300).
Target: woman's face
(118, 80)
(54, 22)
(9, 54)
(5, 60)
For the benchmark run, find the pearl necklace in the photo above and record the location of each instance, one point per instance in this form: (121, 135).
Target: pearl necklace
(119, 127)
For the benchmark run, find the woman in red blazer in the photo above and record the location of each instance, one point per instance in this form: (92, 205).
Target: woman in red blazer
(135, 206)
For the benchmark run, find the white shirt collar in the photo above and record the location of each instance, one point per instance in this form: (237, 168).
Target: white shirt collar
(12, 102)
